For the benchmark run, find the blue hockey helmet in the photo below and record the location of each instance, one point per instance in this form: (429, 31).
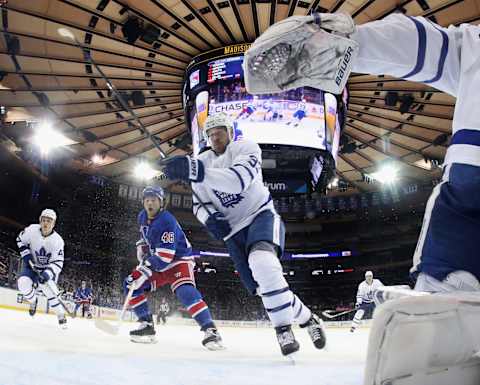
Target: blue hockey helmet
(151, 191)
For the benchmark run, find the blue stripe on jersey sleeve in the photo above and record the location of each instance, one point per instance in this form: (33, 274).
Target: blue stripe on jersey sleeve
(422, 48)
(441, 60)
(464, 136)
(246, 168)
(239, 177)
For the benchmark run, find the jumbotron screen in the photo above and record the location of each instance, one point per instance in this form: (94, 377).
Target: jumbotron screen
(304, 117)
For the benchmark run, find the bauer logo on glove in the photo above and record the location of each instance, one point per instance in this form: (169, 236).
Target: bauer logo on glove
(313, 51)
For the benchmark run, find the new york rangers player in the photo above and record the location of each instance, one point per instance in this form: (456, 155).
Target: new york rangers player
(236, 207)
(364, 302)
(41, 250)
(83, 298)
(444, 58)
(164, 253)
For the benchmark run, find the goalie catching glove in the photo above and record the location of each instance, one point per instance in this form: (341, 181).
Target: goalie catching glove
(313, 51)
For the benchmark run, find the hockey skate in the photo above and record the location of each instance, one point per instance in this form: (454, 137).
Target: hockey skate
(33, 307)
(145, 334)
(286, 340)
(62, 321)
(316, 331)
(212, 340)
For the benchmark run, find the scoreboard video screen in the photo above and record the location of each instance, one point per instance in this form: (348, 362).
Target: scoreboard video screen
(225, 69)
(304, 117)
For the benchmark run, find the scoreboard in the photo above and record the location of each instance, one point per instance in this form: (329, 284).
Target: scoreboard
(225, 69)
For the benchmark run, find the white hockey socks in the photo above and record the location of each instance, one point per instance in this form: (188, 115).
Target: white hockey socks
(357, 318)
(273, 288)
(25, 286)
(301, 313)
(53, 301)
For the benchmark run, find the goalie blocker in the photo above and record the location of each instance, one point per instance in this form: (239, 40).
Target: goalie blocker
(427, 340)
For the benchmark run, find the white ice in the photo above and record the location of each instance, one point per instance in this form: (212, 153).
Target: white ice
(36, 351)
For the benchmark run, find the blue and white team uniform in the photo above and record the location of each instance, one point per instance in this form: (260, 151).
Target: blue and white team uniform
(446, 257)
(301, 111)
(271, 110)
(165, 255)
(364, 302)
(233, 186)
(47, 255)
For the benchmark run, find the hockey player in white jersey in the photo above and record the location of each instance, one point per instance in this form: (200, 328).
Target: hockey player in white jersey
(329, 46)
(299, 114)
(41, 250)
(326, 48)
(364, 302)
(237, 208)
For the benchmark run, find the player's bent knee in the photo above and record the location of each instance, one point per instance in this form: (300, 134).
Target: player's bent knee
(25, 285)
(264, 246)
(187, 294)
(266, 270)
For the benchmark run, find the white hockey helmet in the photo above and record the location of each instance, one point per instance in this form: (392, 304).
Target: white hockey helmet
(368, 274)
(218, 121)
(48, 213)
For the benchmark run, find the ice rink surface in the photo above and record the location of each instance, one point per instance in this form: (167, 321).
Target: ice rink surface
(36, 351)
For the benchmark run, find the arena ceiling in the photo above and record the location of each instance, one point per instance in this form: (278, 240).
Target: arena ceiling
(45, 75)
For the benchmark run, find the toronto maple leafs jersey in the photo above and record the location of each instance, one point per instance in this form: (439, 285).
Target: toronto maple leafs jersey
(47, 252)
(302, 106)
(233, 185)
(83, 294)
(165, 238)
(445, 58)
(365, 291)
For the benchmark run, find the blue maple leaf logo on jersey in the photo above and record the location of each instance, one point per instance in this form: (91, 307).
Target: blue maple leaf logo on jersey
(228, 200)
(42, 256)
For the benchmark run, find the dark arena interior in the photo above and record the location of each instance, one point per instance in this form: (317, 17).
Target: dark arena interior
(86, 120)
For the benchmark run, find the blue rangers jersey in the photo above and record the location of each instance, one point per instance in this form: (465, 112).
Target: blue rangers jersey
(233, 185)
(165, 238)
(83, 294)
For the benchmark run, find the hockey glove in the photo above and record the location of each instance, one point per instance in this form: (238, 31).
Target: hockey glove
(138, 277)
(218, 226)
(44, 276)
(314, 51)
(184, 168)
(142, 250)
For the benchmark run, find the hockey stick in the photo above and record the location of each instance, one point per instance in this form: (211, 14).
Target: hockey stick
(195, 195)
(53, 288)
(328, 313)
(106, 326)
(387, 293)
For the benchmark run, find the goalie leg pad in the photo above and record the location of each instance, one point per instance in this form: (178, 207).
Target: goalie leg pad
(428, 340)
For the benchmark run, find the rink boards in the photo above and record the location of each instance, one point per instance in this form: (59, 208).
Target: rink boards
(12, 299)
